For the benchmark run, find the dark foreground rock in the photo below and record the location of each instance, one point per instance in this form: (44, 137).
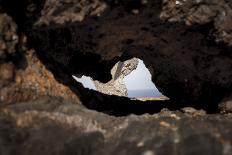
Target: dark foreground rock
(54, 126)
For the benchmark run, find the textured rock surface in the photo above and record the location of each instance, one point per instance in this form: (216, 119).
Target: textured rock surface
(225, 105)
(117, 86)
(187, 52)
(182, 58)
(8, 37)
(55, 12)
(202, 12)
(53, 126)
(30, 83)
(183, 65)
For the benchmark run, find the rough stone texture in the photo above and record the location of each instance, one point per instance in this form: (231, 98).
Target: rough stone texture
(183, 65)
(30, 83)
(24, 12)
(117, 86)
(225, 105)
(6, 74)
(186, 63)
(183, 59)
(22, 76)
(8, 37)
(53, 126)
(201, 12)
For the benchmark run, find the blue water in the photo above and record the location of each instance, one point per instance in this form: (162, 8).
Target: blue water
(143, 93)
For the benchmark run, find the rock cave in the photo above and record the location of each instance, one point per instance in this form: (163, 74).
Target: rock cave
(185, 44)
(130, 79)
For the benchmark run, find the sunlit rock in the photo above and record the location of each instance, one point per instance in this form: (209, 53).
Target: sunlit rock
(117, 86)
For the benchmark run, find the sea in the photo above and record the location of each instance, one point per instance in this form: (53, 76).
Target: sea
(143, 93)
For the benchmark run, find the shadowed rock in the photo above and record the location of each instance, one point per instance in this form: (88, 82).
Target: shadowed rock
(183, 59)
(183, 44)
(8, 38)
(218, 13)
(54, 126)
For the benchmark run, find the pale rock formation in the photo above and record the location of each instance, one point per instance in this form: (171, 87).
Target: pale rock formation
(116, 86)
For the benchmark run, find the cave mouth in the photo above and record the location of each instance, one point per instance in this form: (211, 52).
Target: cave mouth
(141, 96)
(130, 79)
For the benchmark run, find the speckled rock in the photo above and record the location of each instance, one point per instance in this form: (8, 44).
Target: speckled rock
(54, 126)
(187, 62)
(218, 12)
(225, 105)
(30, 83)
(7, 72)
(55, 12)
(117, 86)
(182, 58)
(8, 37)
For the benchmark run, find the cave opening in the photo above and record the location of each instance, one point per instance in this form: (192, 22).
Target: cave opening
(130, 79)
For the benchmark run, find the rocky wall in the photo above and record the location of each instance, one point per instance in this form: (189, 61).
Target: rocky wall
(185, 44)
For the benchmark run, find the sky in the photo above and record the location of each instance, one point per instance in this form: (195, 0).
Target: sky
(137, 80)
(86, 82)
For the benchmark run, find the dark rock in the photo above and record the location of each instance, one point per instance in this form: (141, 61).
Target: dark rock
(56, 12)
(6, 74)
(24, 12)
(190, 61)
(225, 105)
(8, 37)
(183, 59)
(201, 12)
(54, 126)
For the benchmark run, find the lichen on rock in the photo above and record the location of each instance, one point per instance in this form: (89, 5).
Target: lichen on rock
(8, 37)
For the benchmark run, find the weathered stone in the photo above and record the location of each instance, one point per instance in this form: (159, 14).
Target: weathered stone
(117, 86)
(8, 37)
(225, 105)
(193, 112)
(30, 83)
(186, 63)
(55, 12)
(183, 59)
(6, 74)
(202, 12)
(54, 126)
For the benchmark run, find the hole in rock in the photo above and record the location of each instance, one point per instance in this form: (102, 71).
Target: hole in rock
(130, 78)
(86, 81)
